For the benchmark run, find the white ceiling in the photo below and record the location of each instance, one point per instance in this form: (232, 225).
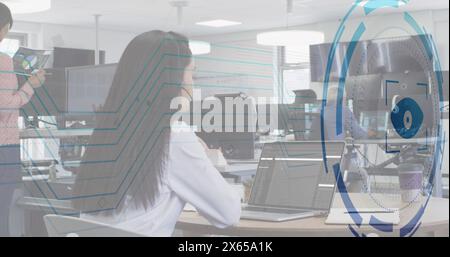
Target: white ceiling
(143, 15)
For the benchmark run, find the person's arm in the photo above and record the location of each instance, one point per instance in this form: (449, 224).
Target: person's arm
(352, 124)
(194, 179)
(9, 97)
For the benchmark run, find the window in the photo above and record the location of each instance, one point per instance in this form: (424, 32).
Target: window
(12, 42)
(294, 71)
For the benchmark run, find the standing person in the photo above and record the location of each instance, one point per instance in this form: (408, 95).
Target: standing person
(12, 98)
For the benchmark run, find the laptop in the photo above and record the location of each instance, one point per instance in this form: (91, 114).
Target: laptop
(291, 181)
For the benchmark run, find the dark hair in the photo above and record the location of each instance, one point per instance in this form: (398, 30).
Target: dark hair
(5, 16)
(126, 164)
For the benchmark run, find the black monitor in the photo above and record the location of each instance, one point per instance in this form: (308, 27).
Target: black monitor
(239, 143)
(50, 99)
(364, 92)
(276, 117)
(319, 60)
(398, 55)
(377, 56)
(73, 57)
(234, 145)
(71, 93)
(87, 90)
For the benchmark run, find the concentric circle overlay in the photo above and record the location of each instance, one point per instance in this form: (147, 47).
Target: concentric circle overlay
(411, 116)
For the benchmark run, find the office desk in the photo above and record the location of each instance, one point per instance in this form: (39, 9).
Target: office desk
(434, 222)
(46, 205)
(54, 133)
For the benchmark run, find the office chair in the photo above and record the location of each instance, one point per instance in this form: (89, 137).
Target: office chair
(65, 226)
(301, 120)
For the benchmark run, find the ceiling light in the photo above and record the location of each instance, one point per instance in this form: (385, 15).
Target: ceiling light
(290, 38)
(28, 6)
(218, 23)
(199, 47)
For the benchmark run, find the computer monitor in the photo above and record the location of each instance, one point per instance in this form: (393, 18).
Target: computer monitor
(74, 93)
(73, 57)
(292, 175)
(51, 98)
(276, 117)
(364, 92)
(319, 55)
(239, 143)
(377, 56)
(398, 55)
(377, 121)
(87, 90)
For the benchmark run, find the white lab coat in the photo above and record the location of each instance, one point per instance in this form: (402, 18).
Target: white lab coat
(189, 177)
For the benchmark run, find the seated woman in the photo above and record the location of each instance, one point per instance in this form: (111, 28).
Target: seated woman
(140, 169)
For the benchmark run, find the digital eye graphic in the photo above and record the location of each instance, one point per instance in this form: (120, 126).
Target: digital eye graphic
(407, 118)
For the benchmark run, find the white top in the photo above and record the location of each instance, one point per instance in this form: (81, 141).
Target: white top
(189, 177)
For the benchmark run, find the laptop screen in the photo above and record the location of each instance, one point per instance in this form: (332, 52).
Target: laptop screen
(293, 175)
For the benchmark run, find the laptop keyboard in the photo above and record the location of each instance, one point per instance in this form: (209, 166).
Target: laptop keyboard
(271, 210)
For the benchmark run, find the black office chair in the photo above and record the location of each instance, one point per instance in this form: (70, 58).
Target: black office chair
(301, 120)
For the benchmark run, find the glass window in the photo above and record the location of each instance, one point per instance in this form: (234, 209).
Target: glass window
(12, 42)
(296, 54)
(294, 71)
(295, 79)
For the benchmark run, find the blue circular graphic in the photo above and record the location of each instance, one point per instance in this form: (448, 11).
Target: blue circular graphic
(407, 115)
(407, 118)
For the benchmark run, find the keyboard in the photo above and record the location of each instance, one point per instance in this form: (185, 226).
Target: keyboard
(271, 210)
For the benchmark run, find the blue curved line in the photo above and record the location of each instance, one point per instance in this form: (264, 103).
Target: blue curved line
(423, 37)
(405, 230)
(330, 60)
(325, 93)
(354, 232)
(410, 226)
(415, 230)
(381, 225)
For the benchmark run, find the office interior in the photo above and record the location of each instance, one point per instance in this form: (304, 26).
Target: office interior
(88, 38)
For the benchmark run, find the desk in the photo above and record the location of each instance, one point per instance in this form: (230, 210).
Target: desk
(394, 141)
(54, 133)
(434, 222)
(46, 205)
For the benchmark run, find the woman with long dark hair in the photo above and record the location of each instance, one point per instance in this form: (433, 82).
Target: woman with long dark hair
(12, 97)
(140, 169)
